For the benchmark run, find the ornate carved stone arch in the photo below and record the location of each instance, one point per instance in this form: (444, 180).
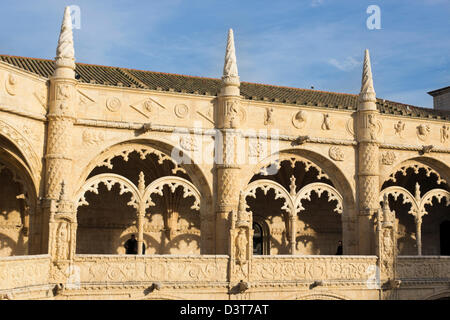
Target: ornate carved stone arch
(274, 163)
(396, 191)
(24, 146)
(109, 180)
(416, 164)
(144, 147)
(428, 197)
(21, 177)
(173, 182)
(265, 186)
(327, 169)
(319, 188)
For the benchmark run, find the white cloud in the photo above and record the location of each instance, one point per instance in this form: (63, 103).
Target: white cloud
(316, 3)
(348, 64)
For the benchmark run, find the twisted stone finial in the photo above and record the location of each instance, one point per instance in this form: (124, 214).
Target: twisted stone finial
(65, 53)
(367, 93)
(230, 70)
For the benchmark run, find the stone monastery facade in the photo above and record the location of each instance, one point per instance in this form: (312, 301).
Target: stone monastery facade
(237, 190)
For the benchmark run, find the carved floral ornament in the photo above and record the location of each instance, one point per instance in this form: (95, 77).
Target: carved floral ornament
(336, 154)
(388, 158)
(140, 196)
(293, 203)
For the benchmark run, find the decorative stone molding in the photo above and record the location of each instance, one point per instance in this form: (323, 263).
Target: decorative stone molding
(445, 133)
(91, 137)
(24, 271)
(388, 158)
(113, 104)
(326, 124)
(11, 84)
(187, 269)
(189, 143)
(268, 118)
(181, 111)
(299, 119)
(297, 268)
(399, 127)
(336, 154)
(423, 131)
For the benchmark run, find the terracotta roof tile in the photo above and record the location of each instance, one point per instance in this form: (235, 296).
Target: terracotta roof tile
(115, 76)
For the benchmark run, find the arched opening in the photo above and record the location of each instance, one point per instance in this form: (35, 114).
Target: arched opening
(272, 219)
(171, 223)
(257, 239)
(106, 223)
(319, 226)
(313, 224)
(18, 232)
(444, 235)
(420, 199)
(141, 191)
(261, 236)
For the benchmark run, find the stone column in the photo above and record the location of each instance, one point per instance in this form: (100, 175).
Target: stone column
(293, 233)
(418, 221)
(368, 130)
(141, 213)
(227, 169)
(58, 159)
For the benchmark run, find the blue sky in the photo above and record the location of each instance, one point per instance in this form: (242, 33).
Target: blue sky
(299, 43)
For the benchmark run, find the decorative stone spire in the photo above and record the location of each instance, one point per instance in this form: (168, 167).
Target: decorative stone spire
(367, 96)
(65, 53)
(230, 71)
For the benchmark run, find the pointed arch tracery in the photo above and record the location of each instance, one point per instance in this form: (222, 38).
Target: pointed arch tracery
(173, 182)
(408, 198)
(319, 188)
(415, 166)
(265, 186)
(109, 180)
